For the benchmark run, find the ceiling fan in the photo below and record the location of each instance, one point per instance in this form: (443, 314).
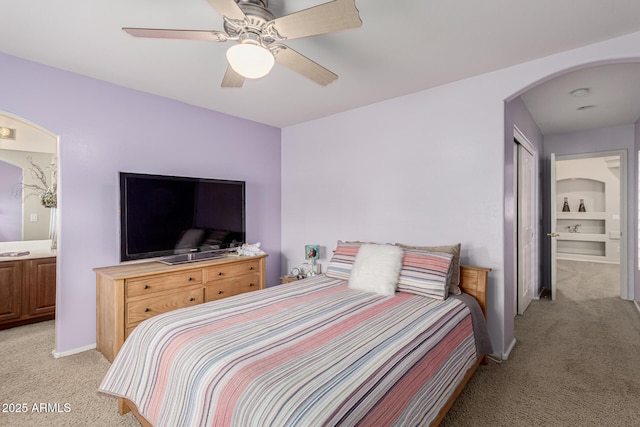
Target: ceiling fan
(259, 36)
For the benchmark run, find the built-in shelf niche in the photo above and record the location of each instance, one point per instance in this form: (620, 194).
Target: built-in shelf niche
(590, 190)
(581, 247)
(597, 238)
(586, 226)
(590, 239)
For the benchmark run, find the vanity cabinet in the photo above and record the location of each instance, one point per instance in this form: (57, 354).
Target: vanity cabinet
(27, 291)
(10, 291)
(40, 279)
(131, 293)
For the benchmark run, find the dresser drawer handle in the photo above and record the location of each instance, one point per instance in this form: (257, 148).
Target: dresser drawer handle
(190, 279)
(219, 273)
(250, 268)
(219, 292)
(146, 310)
(250, 284)
(192, 299)
(146, 286)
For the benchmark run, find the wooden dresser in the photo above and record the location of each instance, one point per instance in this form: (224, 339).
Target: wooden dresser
(128, 294)
(27, 291)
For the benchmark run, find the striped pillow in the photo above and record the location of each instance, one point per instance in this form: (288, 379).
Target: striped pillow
(341, 262)
(454, 280)
(425, 273)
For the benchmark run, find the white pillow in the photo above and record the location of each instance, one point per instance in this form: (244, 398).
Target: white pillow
(376, 269)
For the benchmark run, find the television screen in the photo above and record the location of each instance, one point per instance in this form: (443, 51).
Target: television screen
(166, 215)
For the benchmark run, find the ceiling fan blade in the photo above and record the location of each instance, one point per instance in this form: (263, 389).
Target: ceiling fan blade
(228, 8)
(325, 18)
(301, 64)
(231, 78)
(206, 35)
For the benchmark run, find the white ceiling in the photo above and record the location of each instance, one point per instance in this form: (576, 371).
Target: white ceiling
(403, 46)
(613, 98)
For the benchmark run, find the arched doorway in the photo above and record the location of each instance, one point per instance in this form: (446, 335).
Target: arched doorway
(31, 208)
(538, 74)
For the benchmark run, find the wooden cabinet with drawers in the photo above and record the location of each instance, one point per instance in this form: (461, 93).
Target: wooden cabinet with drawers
(128, 294)
(228, 280)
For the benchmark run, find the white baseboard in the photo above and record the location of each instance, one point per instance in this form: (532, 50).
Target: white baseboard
(505, 355)
(58, 355)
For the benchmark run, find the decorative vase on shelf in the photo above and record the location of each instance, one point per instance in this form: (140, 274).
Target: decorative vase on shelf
(565, 206)
(581, 208)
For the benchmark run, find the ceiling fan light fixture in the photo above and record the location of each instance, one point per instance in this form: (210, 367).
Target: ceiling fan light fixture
(7, 133)
(250, 60)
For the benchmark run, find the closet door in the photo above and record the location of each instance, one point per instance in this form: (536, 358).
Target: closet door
(553, 234)
(526, 229)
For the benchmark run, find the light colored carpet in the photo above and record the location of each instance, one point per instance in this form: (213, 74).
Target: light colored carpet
(30, 375)
(576, 363)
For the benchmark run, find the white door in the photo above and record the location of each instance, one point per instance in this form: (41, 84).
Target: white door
(553, 235)
(616, 222)
(526, 222)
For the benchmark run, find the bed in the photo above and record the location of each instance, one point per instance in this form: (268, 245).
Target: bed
(315, 352)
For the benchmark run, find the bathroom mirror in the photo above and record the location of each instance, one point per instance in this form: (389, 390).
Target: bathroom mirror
(23, 217)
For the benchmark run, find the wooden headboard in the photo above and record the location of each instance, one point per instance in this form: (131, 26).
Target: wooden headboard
(473, 281)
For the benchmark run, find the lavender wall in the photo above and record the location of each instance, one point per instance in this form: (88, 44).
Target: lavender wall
(422, 168)
(516, 114)
(104, 129)
(425, 168)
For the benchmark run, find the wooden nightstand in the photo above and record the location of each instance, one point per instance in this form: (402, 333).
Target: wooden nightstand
(288, 279)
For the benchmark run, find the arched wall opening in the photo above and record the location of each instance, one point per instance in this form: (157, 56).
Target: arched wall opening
(517, 116)
(33, 148)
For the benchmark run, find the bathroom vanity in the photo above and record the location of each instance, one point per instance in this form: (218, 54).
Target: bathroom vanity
(27, 287)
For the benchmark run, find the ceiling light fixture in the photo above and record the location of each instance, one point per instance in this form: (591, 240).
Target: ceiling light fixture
(7, 133)
(250, 59)
(579, 93)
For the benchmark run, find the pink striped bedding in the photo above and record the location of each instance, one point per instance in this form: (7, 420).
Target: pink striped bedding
(310, 353)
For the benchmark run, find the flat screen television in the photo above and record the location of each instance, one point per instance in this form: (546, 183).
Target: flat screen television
(168, 215)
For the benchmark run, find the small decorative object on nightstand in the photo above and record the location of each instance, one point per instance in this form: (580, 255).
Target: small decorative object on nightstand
(312, 252)
(295, 274)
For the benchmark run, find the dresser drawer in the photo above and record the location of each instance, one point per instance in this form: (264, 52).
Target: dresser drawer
(140, 310)
(151, 284)
(226, 271)
(228, 288)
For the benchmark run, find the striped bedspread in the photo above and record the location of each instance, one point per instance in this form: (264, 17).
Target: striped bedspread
(310, 353)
